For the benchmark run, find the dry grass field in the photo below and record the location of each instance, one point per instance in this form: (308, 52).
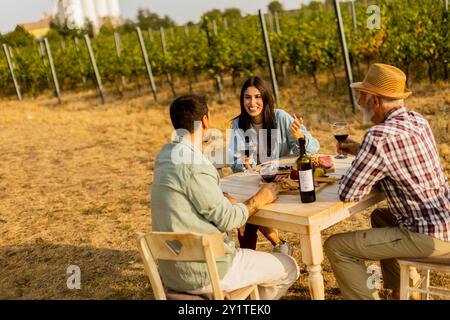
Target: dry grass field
(75, 181)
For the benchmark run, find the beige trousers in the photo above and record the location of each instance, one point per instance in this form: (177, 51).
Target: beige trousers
(387, 241)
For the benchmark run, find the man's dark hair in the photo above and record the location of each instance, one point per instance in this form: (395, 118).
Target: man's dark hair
(187, 109)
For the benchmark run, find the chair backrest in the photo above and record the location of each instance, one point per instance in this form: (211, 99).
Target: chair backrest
(436, 263)
(177, 246)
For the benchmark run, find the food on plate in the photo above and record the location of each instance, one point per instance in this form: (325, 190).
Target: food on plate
(288, 184)
(325, 162)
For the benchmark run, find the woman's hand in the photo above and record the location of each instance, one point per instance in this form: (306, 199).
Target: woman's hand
(246, 162)
(295, 127)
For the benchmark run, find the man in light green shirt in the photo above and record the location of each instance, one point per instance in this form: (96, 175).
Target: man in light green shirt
(186, 197)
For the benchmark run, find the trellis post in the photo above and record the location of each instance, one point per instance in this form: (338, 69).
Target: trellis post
(147, 63)
(11, 70)
(348, 70)
(94, 66)
(273, 77)
(53, 70)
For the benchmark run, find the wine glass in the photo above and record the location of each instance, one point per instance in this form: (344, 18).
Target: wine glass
(340, 132)
(269, 171)
(249, 156)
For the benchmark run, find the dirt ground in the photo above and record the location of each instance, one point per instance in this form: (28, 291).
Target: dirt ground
(75, 181)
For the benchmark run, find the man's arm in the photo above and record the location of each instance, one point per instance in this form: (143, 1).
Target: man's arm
(255, 202)
(267, 194)
(366, 170)
(206, 196)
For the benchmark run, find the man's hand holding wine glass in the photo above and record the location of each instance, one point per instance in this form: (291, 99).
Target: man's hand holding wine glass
(344, 145)
(340, 132)
(348, 146)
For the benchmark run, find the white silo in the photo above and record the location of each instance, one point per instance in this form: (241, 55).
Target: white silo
(114, 8)
(114, 12)
(74, 14)
(70, 12)
(59, 10)
(90, 12)
(101, 6)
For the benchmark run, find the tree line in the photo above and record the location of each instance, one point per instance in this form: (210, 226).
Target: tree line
(413, 35)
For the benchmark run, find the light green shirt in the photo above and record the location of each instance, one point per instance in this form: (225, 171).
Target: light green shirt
(186, 197)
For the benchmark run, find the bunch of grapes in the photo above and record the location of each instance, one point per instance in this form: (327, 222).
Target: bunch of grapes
(315, 161)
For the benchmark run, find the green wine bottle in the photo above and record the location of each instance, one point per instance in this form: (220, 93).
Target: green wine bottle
(305, 173)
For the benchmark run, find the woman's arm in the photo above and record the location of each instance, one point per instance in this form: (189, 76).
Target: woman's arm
(312, 145)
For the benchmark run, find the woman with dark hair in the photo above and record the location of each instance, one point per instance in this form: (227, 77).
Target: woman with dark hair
(273, 134)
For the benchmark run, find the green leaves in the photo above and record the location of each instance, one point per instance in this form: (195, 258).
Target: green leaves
(413, 35)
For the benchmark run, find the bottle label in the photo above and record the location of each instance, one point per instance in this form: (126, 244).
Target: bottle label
(306, 180)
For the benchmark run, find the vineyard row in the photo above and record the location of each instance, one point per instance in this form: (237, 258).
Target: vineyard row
(412, 35)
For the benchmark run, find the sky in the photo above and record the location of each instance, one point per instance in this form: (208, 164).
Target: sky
(13, 12)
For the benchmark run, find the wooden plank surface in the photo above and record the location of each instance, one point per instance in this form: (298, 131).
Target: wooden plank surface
(288, 212)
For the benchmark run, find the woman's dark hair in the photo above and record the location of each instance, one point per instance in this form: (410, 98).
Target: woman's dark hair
(269, 122)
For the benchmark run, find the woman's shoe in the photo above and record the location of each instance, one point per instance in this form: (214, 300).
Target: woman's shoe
(283, 247)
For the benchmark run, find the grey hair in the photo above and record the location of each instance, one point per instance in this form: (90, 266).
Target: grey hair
(387, 101)
(390, 101)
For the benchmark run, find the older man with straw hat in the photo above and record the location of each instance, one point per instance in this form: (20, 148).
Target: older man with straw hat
(399, 155)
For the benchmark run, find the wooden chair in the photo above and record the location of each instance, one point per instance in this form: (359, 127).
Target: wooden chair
(176, 246)
(440, 264)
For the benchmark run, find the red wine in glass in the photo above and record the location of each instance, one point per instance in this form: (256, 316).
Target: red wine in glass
(269, 177)
(341, 137)
(340, 132)
(268, 172)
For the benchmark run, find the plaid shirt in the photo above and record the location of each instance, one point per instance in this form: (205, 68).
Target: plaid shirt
(401, 155)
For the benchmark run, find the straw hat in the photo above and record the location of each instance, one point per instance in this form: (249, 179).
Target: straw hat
(384, 80)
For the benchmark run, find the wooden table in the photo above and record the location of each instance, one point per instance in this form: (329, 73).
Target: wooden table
(308, 220)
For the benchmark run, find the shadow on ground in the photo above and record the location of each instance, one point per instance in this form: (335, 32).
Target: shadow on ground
(39, 271)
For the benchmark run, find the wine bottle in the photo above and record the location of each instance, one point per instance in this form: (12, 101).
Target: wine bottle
(305, 173)
(247, 154)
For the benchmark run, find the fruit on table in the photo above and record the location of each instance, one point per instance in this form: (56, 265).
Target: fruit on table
(315, 160)
(294, 174)
(322, 165)
(319, 172)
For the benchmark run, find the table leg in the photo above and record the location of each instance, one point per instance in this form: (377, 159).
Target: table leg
(312, 256)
